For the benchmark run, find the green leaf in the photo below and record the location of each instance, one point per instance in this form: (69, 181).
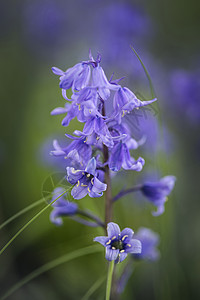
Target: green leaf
(153, 94)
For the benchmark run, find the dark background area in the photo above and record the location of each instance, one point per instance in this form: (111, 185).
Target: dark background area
(36, 35)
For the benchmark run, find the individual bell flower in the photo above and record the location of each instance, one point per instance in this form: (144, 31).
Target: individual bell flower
(98, 125)
(78, 150)
(61, 207)
(86, 181)
(100, 81)
(125, 101)
(120, 158)
(157, 192)
(150, 241)
(76, 77)
(119, 243)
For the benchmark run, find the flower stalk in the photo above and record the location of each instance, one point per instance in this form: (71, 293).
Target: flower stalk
(109, 279)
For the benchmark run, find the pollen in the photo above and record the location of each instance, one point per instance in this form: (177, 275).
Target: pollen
(129, 245)
(78, 183)
(83, 184)
(92, 181)
(89, 190)
(122, 250)
(108, 242)
(114, 237)
(88, 175)
(113, 248)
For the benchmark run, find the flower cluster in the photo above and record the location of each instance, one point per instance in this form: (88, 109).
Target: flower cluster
(101, 105)
(104, 144)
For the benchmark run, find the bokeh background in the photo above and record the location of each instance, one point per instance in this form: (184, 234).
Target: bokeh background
(38, 34)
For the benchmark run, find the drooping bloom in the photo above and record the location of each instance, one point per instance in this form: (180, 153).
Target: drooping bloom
(86, 181)
(150, 241)
(125, 101)
(61, 207)
(119, 243)
(157, 192)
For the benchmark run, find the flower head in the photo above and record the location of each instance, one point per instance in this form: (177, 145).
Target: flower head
(118, 243)
(86, 181)
(61, 207)
(149, 240)
(157, 192)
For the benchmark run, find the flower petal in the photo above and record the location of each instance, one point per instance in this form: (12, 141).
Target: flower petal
(73, 175)
(98, 186)
(101, 239)
(113, 229)
(127, 233)
(91, 166)
(57, 71)
(79, 192)
(111, 254)
(122, 256)
(160, 210)
(134, 246)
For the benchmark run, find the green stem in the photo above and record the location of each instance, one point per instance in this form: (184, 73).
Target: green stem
(109, 279)
(30, 221)
(21, 212)
(52, 264)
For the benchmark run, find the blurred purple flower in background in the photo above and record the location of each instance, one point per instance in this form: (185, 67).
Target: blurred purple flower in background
(45, 24)
(157, 192)
(186, 94)
(150, 241)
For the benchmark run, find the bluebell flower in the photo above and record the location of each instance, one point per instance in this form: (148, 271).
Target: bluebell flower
(78, 150)
(100, 81)
(86, 181)
(61, 207)
(125, 101)
(76, 77)
(150, 241)
(119, 243)
(157, 192)
(120, 157)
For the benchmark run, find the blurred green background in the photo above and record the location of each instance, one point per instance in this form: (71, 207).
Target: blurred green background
(36, 35)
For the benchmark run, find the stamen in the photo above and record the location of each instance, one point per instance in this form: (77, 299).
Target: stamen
(74, 171)
(92, 180)
(89, 190)
(113, 238)
(97, 138)
(122, 251)
(129, 245)
(83, 184)
(83, 173)
(78, 183)
(113, 248)
(108, 242)
(124, 237)
(88, 175)
(85, 140)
